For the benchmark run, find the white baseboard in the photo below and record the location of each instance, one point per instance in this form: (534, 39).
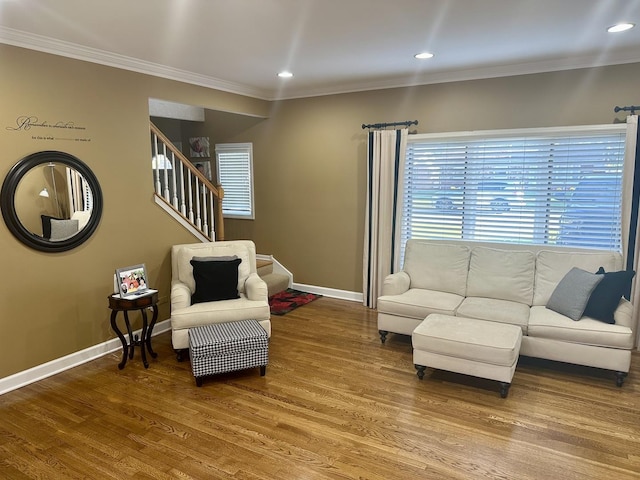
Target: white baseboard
(58, 365)
(330, 292)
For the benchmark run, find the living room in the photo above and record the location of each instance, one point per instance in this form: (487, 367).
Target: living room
(310, 186)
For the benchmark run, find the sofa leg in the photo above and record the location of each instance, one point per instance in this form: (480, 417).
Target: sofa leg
(263, 370)
(420, 371)
(504, 389)
(620, 376)
(383, 335)
(181, 354)
(198, 381)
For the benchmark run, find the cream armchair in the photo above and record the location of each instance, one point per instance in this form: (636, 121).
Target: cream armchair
(252, 304)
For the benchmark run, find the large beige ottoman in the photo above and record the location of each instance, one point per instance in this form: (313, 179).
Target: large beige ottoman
(465, 345)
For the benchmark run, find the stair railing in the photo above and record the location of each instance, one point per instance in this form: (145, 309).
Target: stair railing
(184, 189)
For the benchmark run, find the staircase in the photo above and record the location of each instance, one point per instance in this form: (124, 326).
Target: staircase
(191, 199)
(184, 192)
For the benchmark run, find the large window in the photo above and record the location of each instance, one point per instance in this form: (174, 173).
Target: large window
(537, 186)
(234, 162)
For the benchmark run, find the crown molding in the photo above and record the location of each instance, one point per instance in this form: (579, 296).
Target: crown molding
(495, 71)
(41, 43)
(44, 44)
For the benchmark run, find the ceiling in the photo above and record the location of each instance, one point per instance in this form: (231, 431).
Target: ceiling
(331, 46)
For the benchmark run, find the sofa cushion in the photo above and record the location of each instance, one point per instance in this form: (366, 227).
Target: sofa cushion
(501, 274)
(605, 298)
(572, 293)
(496, 310)
(552, 266)
(418, 303)
(215, 280)
(435, 266)
(545, 323)
(218, 312)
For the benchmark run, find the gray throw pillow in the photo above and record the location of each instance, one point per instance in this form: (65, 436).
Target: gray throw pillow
(571, 295)
(63, 229)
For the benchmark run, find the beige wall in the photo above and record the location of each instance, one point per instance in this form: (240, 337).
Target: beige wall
(309, 161)
(310, 155)
(56, 304)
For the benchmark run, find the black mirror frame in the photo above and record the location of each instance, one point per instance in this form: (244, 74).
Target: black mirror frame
(7, 201)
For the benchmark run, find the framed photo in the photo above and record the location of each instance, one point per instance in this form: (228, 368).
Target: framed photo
(199, 147)
(132, 280)
(204, 168)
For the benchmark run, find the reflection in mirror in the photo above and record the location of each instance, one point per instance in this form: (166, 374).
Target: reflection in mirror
(51, 201)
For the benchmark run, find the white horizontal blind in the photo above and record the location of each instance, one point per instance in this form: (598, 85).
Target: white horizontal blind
(536, 186)
(234, 163)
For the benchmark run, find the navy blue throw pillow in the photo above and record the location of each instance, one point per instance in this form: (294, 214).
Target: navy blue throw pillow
(606, 296)
(215, 280)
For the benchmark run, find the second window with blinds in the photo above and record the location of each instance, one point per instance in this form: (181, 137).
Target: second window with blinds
(234, 170)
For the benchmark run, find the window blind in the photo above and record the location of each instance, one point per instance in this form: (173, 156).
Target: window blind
(234, 163)
(537, 186)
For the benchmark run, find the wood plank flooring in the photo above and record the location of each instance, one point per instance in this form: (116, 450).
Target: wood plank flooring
(334, 404)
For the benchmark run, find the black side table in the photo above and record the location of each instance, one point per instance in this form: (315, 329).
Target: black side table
(125, 305)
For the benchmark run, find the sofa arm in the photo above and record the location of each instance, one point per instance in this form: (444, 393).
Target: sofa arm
(624, 313)
(180, 295)
(396, 283)
(256, 288)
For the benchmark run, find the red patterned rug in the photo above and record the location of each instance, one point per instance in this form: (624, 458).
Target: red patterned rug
(290, 299)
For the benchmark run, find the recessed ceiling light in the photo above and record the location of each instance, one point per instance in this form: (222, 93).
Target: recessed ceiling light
(285, 74)
(620, 27)
(423, 55)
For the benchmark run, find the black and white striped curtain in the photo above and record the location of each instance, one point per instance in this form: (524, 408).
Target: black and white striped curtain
(385, 170)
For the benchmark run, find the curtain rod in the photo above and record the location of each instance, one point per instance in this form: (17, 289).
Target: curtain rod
(631, 109)
(407, 123)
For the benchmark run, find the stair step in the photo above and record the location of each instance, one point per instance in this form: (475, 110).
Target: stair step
(276, 282)
(264, 267)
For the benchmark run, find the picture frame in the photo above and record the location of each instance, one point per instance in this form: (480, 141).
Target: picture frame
(204, 167)
(132, 280)
(199, 147)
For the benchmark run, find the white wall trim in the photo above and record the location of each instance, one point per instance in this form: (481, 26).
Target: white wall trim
(180, 219)
(40, 372)
(58, 365)
(330, 292)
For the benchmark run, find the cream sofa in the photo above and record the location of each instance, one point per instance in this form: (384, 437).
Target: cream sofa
(252, 302)
(507, 284)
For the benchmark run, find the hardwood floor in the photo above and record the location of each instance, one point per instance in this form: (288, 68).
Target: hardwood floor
(334, 404)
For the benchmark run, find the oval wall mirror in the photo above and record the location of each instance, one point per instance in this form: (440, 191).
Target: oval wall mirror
(51, 201)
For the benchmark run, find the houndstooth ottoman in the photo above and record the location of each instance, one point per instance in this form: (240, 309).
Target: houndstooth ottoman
(225, 347)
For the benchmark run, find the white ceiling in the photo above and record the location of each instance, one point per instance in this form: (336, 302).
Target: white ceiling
(332, 46)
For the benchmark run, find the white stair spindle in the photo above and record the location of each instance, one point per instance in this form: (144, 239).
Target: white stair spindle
(183, 207)
(156, 169)
(198, 217)
(174, 187)
(190, 196)
(167, 193)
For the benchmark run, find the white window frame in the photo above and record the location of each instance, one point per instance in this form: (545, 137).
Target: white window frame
(234, 171)
(474, 203)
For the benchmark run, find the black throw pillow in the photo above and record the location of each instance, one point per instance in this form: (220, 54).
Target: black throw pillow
(606, 296)
(215, 280)
(46, 225)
